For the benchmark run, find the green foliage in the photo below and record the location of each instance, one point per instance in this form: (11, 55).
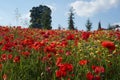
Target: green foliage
(34, 54)
(111, 27)
(70, 20)
(41, 17)
(88, 25)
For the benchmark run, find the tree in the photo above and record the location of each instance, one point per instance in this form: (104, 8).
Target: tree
(41, 17)
(99, 25)
(70, 20)
(113, 27)
(88, 25)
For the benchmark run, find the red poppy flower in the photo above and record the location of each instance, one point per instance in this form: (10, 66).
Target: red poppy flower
(4, 57)
(85, 35)
(10, 56)
(70, 37)
(59, 60)
(27, 42)
(66, 67)
(64, 43)
(7, 46)
(49, 49)
(83, 62)
(89, 76)
(108, 44)
(60, 73)
(97, 78)
(49, 55)
(98, 69)
(68, 53)
(117, 34)
(16, 59)
(38, 45)
(26, 54)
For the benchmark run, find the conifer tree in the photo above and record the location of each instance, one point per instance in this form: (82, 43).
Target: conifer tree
(99, 25)
(70, 20)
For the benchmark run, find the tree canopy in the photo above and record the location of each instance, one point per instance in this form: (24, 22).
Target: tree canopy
(41, 17)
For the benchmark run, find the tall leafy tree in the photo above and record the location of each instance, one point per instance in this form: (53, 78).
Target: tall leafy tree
(88, 25)
(41, 17)
(99, 25)
(70, 20)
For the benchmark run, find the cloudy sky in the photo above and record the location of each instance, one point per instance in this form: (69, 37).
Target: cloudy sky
(106, 11)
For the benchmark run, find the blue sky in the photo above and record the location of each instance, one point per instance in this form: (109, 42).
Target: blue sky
(106, 11)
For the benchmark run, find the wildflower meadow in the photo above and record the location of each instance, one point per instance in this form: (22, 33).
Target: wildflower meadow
(35, 54)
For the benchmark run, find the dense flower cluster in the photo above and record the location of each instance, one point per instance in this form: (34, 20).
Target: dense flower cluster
(35, 54)
(98, 70)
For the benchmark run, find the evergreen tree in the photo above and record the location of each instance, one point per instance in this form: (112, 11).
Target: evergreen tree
(88, 25)
(99, 25)
(70, 20)
(40, 17)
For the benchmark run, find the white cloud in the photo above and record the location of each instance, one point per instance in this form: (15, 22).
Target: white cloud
(87, 9)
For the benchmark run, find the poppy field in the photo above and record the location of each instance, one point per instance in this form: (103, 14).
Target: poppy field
(34, 54)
